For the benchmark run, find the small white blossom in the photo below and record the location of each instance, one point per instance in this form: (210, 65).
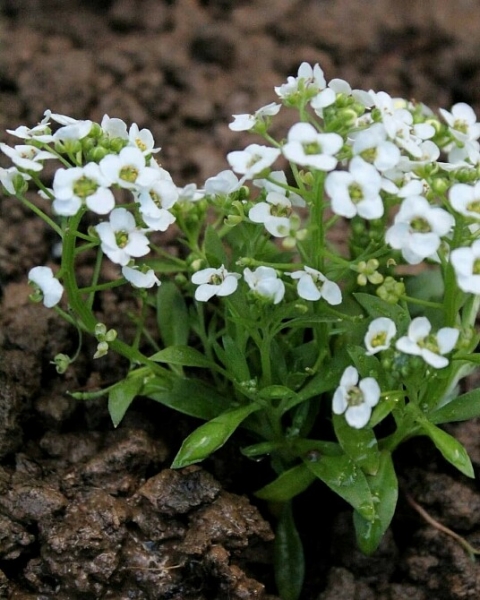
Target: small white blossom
(190, 193)
(226, 182)
(26, 157)
(374, 147)
(355, 399)
(340, 86)
(126, 168)
(265, 282)
(356, 191)
(139, 279)
(214, 282)
(114, 128)
(274, 214)
(307, 147)
(246, 122)
(8, 176)
(121, 239)
(50, 287)
(155, 203)
(417, 229)
(462, 122)
(465, 199)
(310, 79)
(73, 131)
(40, 133)
(420, 342)
(380, 333)
(277, 182)
(313, 285)
(253, 160)
(142, 139)
(77, 185)
(466, 263)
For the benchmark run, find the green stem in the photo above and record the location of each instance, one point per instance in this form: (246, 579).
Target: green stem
(41, 214)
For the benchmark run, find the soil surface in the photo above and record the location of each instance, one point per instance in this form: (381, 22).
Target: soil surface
(90, 512)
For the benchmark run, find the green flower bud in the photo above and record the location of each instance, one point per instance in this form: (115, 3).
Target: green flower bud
(61, 362)
(102, 350)
(96, 154)
(391, 290)
(19, 183)
(96, 131)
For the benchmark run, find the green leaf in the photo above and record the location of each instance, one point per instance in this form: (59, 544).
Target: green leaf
(450, 448)
(213, 246)
(376, 307)
(235, 360)
(211, 436)
(172, 315)
(184, 356)
(367, 366)
(384, 488)
(359, 444)
(121, 396)
(287, 485)
(189, 396)
(462, 408)
(288, 557)
(347, 480)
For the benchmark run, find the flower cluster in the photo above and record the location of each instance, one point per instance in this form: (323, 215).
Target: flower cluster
(346, 285)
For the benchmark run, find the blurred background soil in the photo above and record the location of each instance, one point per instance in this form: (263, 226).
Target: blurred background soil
(88, 512)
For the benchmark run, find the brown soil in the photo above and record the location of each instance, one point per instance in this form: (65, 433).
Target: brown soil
(87, 511)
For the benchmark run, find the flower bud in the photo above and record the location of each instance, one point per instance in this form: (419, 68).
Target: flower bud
(61, 362)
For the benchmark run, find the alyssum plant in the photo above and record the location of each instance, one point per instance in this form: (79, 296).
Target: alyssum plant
(264, 322)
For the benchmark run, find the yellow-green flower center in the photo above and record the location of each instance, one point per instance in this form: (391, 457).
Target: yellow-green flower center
(216, 279)
(121, 237)
(474, 206)
(476, 267)
(356, 193)
(430, 343)
(420, 225)
(129, 173)
(312, 148)
(380, 339)
(355, 396)
(84, 187)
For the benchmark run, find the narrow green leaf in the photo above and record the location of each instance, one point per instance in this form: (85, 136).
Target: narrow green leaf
(235, 360)
(359, 444)
(367, 366)
(462, 408)
(172, 315)
(376, 307)
(189, 396)
(384, 488)
(184, 356)
(213, 246)
(211, 436)
(347, 480)
(451, 449)
(288, 557)
(121, 396)
(287, 485)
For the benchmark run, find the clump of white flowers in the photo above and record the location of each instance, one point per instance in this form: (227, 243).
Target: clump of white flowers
(346, 285)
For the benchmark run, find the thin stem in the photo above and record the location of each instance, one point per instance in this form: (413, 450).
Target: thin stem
(39, 212)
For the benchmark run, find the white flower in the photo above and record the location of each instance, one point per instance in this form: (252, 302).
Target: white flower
(214, 282)
(142, 139)
(77, 185)
(310, 79)
(418, 228)
(374, 147)
(40, 133)
(307, 147)
(26, 157)
(155, 203)
(226, 182)
(246, 122)
(380, 333)
(253, 160)
(313, 285)
(465, 199)
(114, 128)
(466, 262)
(121, 239)
(9, 176)
(265, 282)
(274, 213)
(125, 168)
(356, 191)
(462, 122)
(51, 288)
(420, 342)
(139, 279)
(340, 86)
(73, 131)
(355, 399)
(277, 182)
(190, 193)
